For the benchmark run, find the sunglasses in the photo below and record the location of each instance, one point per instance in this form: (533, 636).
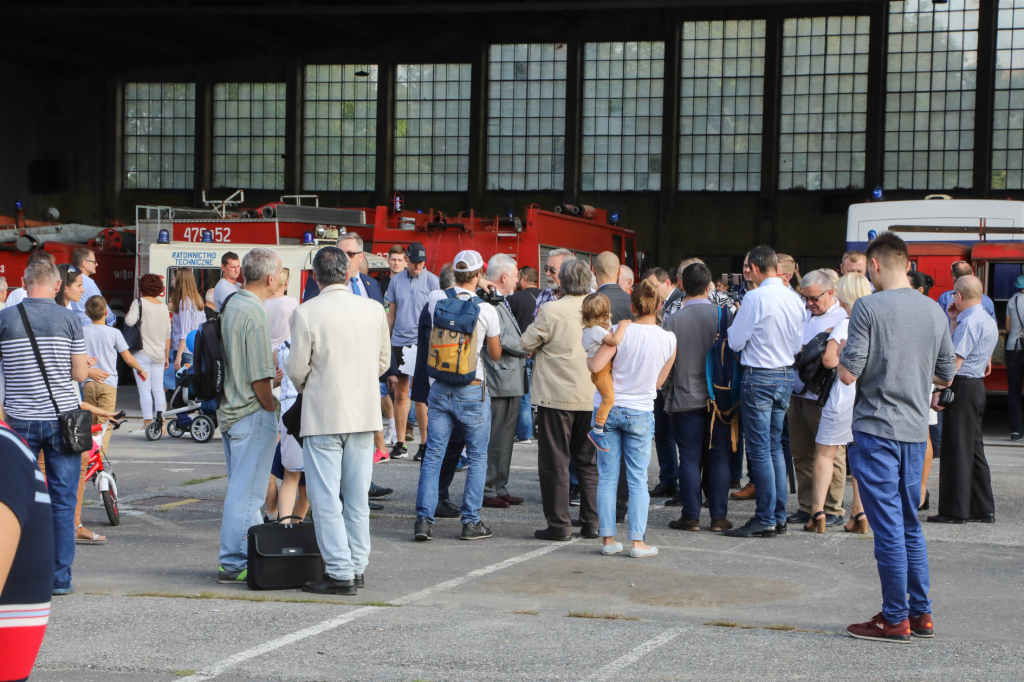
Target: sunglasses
(352, 254)
(550, 269)
(814, 299)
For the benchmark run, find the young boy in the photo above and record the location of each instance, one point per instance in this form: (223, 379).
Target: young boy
(104, 343)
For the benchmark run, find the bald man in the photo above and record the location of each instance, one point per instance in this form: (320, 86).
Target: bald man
(965, 485)
(609, 282)
(962, 269)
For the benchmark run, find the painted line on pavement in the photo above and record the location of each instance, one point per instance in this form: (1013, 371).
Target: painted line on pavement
(326, 625)
(172, 505)
(635, 654)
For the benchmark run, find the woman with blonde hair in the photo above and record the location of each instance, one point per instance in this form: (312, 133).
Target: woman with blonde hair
(187, 305)
(836, 427)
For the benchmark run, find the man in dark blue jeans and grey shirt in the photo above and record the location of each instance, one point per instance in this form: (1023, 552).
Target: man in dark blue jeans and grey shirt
(898, 347)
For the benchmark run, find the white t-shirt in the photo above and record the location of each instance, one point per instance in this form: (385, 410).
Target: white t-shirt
(593, 339)
(838, 409)
(279, 311)
(487, 323)
(105, 344)
(644, 350)
(16, 297)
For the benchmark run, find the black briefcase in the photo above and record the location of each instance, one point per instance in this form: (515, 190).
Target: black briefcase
(283, 556)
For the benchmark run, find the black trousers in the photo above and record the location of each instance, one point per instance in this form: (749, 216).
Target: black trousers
(1014, 386)
(562, 435)
(450, 463)
(965, 484)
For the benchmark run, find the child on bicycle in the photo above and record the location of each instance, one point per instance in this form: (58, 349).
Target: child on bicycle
(597, 319)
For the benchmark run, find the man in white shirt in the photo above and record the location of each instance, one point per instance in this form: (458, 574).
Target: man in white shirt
(466, 405)
(230, 269)
(805, 413)
(768, 333)
(84, 261)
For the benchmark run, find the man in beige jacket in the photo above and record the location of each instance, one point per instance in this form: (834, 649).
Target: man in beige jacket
(564, 396)
(340, 348)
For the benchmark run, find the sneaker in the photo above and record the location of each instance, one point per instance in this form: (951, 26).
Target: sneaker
(226, 577)
(921, 626)
(597, 438)
(752, 529)
(378, 492)
(63, 591)
(446, 510)
(879, 630)
(574, 496)
(1014, 436)
(400, 451)
(422, 530)
(379, 456)
(475, 531)
(638, 553)
(421, 453)
(463, 463)
(390, 436)
(524, 441)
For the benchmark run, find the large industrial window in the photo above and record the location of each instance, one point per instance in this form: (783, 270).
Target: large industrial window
(824, 102)
(929, 105)
(432, 127)
(721, 104)
(159, 135)
(1008, 118)
(340, 127)
(526, 117)
(623, 92)
(248, 135)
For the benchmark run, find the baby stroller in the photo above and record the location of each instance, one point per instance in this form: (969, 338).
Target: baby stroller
(180, 418)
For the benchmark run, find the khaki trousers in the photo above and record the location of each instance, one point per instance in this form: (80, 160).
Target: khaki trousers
(804, 416)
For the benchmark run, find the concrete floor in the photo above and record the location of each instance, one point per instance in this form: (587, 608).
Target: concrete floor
(500, 608)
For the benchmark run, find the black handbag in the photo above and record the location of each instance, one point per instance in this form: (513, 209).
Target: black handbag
(133, 334)
(292, 420)
(283, 556)
(75, 425)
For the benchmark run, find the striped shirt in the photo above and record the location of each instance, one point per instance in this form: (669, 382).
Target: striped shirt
(245, 340)
(974, 339)
(59, 334)
(185, 322)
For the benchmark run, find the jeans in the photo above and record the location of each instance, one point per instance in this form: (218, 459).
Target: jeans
(694, 436)
(1015, 385)
(628, 434)
(469, 407)
(248, 452)
(664, 445)
(524, 429)
(63, 471)
(169, 373)
(338, 470)
(888, 473)
(764, 399)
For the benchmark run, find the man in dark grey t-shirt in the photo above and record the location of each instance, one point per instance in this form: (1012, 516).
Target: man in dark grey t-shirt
(898, 347)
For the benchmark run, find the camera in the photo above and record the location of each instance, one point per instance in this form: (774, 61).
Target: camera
(489, 296)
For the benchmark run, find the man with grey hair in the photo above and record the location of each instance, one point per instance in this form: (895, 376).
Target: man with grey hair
(823, 313)
(248, 411)
(550, 274)
(340, 348)
(564, 396)
(506, 384)
(3, 292)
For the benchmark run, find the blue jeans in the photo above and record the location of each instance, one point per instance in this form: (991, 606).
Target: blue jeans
(664, 445)
(764, 399)
(248, 452)
(888, 473)
(628, 434)
(63, 471)
(695, 438)
(470, 408)
(169, 378)
(524, 429)
(338, 470)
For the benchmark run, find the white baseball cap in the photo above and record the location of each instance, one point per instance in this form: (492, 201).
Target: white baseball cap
(468, 261)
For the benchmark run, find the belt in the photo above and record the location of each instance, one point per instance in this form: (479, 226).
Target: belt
(766, 369)
(477, 382)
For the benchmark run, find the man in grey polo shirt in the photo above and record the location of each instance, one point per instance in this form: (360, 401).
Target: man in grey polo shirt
(406, 296)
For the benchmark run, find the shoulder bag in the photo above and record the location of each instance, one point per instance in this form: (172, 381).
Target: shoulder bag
(133, 334)
(75, 425)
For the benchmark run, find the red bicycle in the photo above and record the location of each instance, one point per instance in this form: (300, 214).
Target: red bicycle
(100, 472)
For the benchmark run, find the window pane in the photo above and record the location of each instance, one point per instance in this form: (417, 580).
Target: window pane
(721, 100)
(248, 129)
(930, 89)
(526, 120)
(158, 122)
(340, 127)
(824, 103)
(432, 127)
(1008, 115)
(623, 92)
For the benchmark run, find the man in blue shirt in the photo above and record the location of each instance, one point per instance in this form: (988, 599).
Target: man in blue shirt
(84, 260)
(962, 268)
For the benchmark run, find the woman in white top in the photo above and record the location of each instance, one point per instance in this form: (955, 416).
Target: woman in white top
(280, 307)
(156, 345)
(642, 363)
(836, 426)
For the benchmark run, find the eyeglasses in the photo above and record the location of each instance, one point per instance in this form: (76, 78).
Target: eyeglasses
(814, 299)
(88, 261)
(550, 269)
(353, 254)
(957, 293)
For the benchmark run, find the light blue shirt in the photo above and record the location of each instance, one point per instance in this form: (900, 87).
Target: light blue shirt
(90, 290)
(410, 295)
(768, 329)
(974, 339)
(947, 297)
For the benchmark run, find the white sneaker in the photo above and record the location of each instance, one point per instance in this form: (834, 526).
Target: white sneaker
(390, 436)
(609, 550)
(638, 553)
(525, 441)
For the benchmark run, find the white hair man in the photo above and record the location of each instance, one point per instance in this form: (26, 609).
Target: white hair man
(551, 268)
(248, 411)
(340, 347)
(626, 278)
(805, 413)
(506, 385)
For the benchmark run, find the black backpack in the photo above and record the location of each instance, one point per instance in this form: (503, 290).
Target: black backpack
(208, 361)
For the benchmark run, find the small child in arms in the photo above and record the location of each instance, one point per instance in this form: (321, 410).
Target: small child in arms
(597, 318)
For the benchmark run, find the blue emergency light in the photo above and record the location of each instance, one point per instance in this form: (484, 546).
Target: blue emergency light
(207, 237)
(307, 239)
(878, 194)
(871, 235)
(163, 237)
(614, 219)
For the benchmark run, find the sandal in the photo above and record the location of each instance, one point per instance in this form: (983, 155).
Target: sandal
(816, 524)
(96, 538)
(860, 524)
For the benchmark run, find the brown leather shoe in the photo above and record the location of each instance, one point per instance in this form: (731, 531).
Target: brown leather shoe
(746, 494)
(495, 502)
(718, 525)
(685, 524)
(512, 499)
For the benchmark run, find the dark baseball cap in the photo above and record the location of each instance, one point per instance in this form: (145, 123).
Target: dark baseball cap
(416, 253)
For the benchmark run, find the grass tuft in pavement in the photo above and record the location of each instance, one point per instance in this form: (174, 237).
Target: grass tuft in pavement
(607, 616)
(781, 627)
(195, 481)
(526, 612)
(185, 673)
(258, 598)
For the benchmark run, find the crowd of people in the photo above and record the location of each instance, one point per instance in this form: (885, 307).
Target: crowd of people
(595, 365)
